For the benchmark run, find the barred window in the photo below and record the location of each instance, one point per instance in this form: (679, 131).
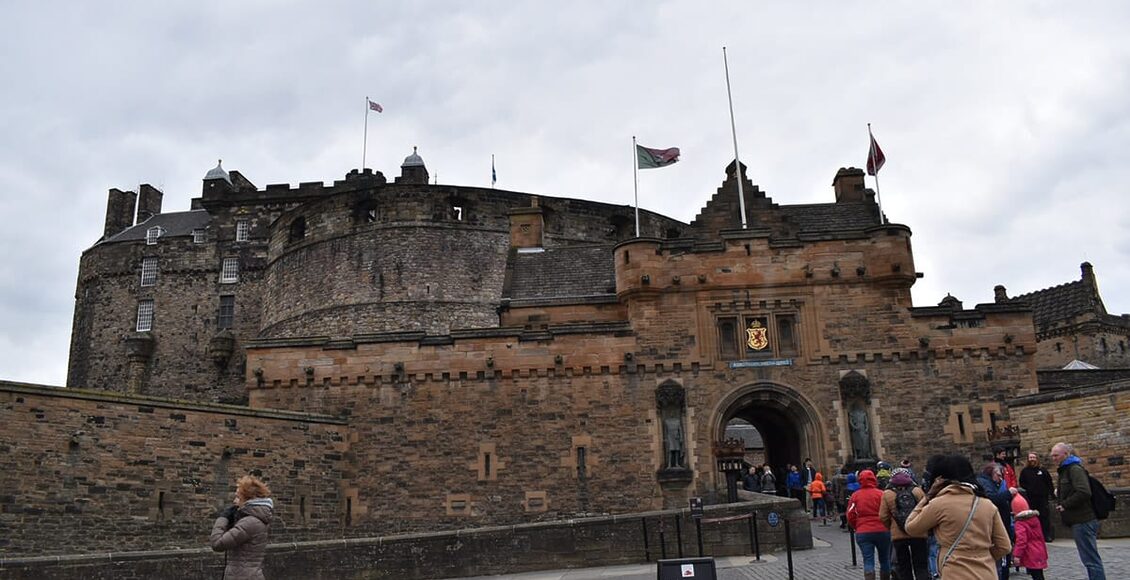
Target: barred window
(144, 315)
(149, 271)
(152, 234)
(227, 312)
(229, 271)
(199, 236)
(242, 230)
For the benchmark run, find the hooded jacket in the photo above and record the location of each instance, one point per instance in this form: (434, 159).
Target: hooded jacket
(246, 541)
(817, 487)
(984, 542)
(1030, 550)
(863, 508)
(1074, 492)
(888, 508)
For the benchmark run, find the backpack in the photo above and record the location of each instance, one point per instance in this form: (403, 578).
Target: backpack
(1102, 501)
(904, 504)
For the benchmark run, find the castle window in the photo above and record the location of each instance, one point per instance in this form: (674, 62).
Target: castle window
(371, 215)
(149, 271)
(152, 234)
(1059, 347)
(786, 335)
(457, 213)
(227, 312)
(242, 230)
(1102, 345)
(1121, 346)
(199, 236)
(145, 315)
(728, 338)
(297, 230)
(229, 271)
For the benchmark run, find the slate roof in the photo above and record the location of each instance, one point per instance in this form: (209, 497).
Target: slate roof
(179, 223)
(830, 217)
(1059, 303)
(558, 273)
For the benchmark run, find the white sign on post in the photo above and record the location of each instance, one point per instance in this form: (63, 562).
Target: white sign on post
(688, 570)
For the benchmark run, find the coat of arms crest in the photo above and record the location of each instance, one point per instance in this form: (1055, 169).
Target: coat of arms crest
(758, 336)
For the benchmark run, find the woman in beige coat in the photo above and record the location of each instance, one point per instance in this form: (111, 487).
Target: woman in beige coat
(971, 554)
(241, 530)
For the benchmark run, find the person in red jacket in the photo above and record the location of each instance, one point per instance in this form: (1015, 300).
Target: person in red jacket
(870, 533)
(1029, 550)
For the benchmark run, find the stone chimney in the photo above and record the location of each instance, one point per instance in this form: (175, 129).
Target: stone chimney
(527, 226)
(848, 184)
(1000, 295)
(1088, 274)
(148, 202)
(119, 211)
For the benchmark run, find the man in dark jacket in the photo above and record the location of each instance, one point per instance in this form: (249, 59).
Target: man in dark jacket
(1073, 496)
(1037, 483)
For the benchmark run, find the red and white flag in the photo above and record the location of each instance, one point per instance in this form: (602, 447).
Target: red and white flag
(376, 107)
(875, 157)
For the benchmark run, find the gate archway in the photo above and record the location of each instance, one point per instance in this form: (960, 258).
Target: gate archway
(789, 425)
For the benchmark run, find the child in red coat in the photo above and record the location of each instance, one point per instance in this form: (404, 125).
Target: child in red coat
(1029, 550)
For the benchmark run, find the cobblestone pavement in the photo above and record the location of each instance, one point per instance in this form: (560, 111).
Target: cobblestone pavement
(831, 559)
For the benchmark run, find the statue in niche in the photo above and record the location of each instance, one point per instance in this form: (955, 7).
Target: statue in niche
(860, 432)
(673, 439)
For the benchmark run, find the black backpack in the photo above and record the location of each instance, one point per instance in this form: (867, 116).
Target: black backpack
(1102, 501)
(904, 504)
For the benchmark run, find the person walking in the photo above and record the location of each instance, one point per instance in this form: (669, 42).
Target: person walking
(870, 533)
(1029, 550)
(899, 501)
(818, 490)
(1037, 483)
(1073, 502)
(242, 528)
(807, 476)
(1000, 455)
(971, 536)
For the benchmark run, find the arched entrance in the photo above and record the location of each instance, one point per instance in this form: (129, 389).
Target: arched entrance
(789, 425)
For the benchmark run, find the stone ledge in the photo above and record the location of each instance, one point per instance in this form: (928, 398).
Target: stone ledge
(1068, 394)
(164, 403)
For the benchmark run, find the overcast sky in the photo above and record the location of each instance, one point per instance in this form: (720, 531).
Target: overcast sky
(1005, 124)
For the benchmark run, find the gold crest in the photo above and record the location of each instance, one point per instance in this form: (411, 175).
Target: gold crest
(758, 336)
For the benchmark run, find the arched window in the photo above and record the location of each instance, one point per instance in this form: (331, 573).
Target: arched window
(297, 230)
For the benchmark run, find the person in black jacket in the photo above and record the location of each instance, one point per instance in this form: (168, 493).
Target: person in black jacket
(1037, 484)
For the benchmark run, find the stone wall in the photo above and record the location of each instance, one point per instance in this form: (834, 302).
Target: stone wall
(1093, 419)
(85, 471)
(600, 541)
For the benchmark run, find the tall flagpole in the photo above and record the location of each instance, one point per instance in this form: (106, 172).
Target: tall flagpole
(734, 131)
(636, 174)
(365, 145)
(873, 160)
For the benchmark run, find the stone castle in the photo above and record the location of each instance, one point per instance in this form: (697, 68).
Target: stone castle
(410, 356)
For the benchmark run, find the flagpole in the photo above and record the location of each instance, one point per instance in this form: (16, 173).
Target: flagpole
(636, 174)
(734, 132)
(493, 175)
(872, 160)
(365, 143)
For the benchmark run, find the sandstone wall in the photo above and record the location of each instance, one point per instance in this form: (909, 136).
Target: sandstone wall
(84, 471)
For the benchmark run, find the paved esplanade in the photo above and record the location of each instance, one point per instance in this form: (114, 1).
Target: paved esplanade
(831, 559)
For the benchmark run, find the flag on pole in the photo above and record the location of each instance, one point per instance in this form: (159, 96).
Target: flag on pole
(652, 158)
(376, 107)
(875, 157)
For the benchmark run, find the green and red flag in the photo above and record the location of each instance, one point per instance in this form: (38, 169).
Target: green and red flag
(648, 158)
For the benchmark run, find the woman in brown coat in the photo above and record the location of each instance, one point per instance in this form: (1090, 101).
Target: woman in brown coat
(241, 530)
(974, 553)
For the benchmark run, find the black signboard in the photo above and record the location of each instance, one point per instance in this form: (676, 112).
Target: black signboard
(696, 508)
(697, 568)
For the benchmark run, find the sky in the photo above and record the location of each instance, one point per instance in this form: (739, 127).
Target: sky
(1006, 125)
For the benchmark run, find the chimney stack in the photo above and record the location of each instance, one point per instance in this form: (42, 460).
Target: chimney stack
(120, 206)
(148, 202)
(849, 185)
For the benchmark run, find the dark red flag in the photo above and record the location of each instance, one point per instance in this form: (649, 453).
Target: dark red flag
(875, 158)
